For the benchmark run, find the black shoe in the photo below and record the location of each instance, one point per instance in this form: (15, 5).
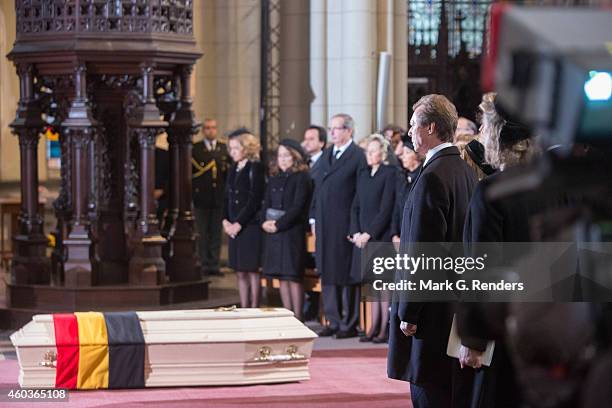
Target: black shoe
(346, 334)
(327, 332)
(380, 340)
(366, 339)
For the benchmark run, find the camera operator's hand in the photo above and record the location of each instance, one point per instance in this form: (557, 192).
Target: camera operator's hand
(470, 358)
(408, 329)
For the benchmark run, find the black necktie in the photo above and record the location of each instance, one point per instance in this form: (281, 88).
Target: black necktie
(335, 156)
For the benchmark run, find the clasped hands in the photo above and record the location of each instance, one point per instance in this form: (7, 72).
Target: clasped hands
(231, 228)
(360, 239)
(269, 226)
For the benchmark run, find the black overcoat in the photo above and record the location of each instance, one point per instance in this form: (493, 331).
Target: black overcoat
(285, 250)
(403, 183)
(434, 212)
(244, 193)
(331, 209)
(372, 210)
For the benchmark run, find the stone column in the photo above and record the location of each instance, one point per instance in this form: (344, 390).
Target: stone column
(183, 263)
(343, 61)
(80, 128)
(399, 67)
(295, 93)
(319, 114)
(147, 267)
(30, 265)
(392, 38)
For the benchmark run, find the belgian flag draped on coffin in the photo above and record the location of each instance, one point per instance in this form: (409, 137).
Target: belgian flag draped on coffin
(99, 350)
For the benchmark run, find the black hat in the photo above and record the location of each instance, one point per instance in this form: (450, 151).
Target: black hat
(407, 141)
(240, 131)
(295, 145)
(476, 151)
(513, 131)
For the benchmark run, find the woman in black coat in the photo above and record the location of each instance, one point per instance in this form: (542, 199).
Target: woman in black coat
(244, 192)
(285, 210)
(506, 144)
(371, 221)
(411, 163)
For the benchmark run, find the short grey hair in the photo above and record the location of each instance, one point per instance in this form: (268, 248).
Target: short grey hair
(347, 120)
(439, 110)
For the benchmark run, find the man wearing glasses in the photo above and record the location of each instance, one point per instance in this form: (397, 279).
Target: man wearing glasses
(330, 220)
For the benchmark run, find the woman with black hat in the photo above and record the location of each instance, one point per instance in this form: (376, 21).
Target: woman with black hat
(285, 211)
(506, 144)
(410, 162)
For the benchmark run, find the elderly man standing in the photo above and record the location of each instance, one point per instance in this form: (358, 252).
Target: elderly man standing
(434, 212)
(330, 214)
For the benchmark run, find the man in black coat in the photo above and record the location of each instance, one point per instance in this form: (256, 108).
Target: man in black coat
(315, 139)
(330, 213)
(210, 161)
(434, 212)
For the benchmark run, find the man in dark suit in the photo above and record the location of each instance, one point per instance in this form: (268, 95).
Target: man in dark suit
(315, 139)
(330, 215)
(434, 212)
(210, 161)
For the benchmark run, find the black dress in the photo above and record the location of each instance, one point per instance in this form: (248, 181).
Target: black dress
(285, 250)
(244, 191)
(372, 210)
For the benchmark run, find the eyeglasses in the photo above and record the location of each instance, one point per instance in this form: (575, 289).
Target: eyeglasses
(331, 129)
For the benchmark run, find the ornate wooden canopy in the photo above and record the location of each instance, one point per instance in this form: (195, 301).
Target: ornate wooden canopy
(109, 76)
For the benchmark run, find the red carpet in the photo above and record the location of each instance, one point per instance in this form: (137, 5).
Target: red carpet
(339, 378)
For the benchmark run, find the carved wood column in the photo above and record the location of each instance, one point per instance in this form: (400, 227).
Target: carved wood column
(81, 129)
(30, 264)
(183, 262)
(147, 267)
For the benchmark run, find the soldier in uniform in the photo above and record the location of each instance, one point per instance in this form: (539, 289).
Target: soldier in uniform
(210, 161)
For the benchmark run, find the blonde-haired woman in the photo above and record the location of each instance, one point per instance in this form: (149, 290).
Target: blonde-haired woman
(506, 144)
(371, 214)
(244, 192)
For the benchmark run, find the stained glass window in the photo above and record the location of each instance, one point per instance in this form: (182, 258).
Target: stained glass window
(424, 18)
(465, 24)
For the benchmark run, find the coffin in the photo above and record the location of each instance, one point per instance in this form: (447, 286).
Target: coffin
(225, 346)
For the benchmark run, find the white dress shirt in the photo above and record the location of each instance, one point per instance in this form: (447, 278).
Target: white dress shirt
(341, 149)
(315, 157)
(435, 150)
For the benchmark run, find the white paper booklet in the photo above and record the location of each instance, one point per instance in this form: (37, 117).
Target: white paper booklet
(454, 345)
